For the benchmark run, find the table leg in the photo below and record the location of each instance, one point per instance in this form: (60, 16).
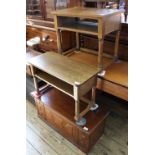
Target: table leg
(59, 42)
(100, 54)
(79, 119)
(77, 41)
(77, 110)
(116, 45)
(35, 80)
(94, 106)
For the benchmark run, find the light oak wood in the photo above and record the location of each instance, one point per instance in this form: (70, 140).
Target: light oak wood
(70, 77)
(58, 35)
(116, 44)
(115, 80)
(89, 58)
(66, 88)
(35, 80)
(113, 88)
(30, 54)
(95, 53)
(64, 68)
(91, 13)
(100, 54)
(117, 73)
(105, 21)
(77, 41)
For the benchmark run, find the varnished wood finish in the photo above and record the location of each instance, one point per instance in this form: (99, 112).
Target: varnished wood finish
(64, 68)
(106, 21)
(47, 30)
(116, 45)
(91, 43)
(113, 88)
(86, 12)
(117, 73)
(116, 76)
(30, 54)
(110, 19)
(45, 140)
(70, 77)
(57, 109)
(37, 22)
(115, 80)
(88, 58)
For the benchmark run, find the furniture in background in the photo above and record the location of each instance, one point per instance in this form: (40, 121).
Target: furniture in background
(115, 80)
(33, 7)
(46, 32)
(97, 22)
(103, 3)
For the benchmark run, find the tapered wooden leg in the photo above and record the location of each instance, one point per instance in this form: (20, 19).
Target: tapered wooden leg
(94, 106)
(93, 95)
(77, 101)
(77, 41)
(35, 81)
(77, 110)
(100, 54)
(79, 119)
(116, 45)
(59, 41)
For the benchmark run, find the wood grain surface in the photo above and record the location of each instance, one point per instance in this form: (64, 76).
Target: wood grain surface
(90, 59)
(64, 68)
(42, 139)
(86, 12)
(117, 73)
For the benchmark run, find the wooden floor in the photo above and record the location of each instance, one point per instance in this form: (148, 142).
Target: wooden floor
(43, 140)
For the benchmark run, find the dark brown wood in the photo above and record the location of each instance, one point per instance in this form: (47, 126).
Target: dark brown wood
(68, 38)
(46, 6)
(57, 109)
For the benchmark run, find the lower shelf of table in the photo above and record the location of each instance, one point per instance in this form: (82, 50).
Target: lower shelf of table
(57, 109)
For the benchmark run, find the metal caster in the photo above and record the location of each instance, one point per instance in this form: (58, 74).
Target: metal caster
(94, 107)
(81, 122)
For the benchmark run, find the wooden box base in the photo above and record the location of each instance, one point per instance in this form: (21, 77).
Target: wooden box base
(57, 109)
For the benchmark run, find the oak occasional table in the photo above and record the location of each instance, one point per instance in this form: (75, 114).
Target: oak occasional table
(90, 21)
(70, 77)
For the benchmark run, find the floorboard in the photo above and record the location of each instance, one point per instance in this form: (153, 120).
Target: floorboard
(31, 150)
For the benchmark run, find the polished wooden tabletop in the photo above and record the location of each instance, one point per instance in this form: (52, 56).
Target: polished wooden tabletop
(86, 12)
(117, 73)
(64, 68)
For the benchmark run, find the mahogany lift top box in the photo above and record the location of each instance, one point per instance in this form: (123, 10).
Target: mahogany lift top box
(57, 110)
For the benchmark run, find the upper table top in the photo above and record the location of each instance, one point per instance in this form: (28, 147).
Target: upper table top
(86, 12)
(64, 68)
